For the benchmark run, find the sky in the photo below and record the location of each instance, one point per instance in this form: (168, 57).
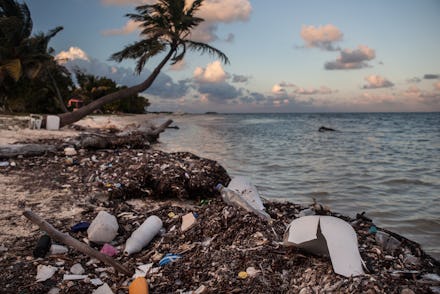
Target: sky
(285, 55)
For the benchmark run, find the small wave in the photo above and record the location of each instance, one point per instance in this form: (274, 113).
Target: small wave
(405, 182)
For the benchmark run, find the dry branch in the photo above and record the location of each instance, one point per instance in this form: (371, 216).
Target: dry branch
(68, 240)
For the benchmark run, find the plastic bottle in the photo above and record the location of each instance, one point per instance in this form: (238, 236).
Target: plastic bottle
(103, 228)
(143, 235)
(233, 198)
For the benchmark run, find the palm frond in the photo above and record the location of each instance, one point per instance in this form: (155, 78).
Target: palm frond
(205, 48)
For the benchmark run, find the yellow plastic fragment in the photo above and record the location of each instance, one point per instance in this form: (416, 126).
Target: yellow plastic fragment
(242, 275)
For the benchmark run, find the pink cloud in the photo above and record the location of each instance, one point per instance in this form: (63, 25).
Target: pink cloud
(437, 85)
(129, 27)
(352, 59)
(375, 82)
(213, 73)
(321, 37)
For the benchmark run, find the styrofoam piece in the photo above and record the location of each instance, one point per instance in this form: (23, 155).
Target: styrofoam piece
(328, 235)
(58, 249)
(45, 272)
(77, 269)
(53, 122)
(103, 228)
(104, 289)
(143, 235)
(73, 277)
(247, 190)
(188, 220)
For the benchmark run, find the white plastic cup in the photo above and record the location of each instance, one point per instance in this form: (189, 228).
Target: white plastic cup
(103, 228)
(143, 235)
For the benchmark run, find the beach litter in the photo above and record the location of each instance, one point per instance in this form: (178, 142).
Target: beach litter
(45, 272)
(188, 220)
(43, 246)
(103, 228)
(143, 235)
(138, 286)
(327, 235)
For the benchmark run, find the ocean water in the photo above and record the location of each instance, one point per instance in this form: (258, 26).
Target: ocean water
(386, 164)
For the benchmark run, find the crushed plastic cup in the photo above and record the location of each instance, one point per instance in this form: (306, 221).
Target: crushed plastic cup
(103, 228)
(143, 235)
(386, 241)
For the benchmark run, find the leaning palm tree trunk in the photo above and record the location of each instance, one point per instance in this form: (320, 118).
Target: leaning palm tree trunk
(71, 117)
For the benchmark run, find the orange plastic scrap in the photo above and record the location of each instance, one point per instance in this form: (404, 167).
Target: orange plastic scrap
(138, 286)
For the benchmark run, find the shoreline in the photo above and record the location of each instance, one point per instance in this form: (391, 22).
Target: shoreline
(31, 184)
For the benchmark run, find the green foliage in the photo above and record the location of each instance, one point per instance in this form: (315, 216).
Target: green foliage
(93, 87)
(28, 72)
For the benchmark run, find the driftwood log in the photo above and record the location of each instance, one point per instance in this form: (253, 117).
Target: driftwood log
(72, 242)
(9, 151)
(135, 139)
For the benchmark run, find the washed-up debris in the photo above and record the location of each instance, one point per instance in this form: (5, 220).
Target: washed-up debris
(169, 258)
(45, 272)
(234, 198)
(188, 220)
(225, 241)
(56, 249)
(143, 235)
(77, 269)
(80, 227)
(67, 277)
(109, 250)
(327, 235)
(103, 228)
(104, 289)
(43, 246)
(388, 242)
(247, 190)
(138, 286)
(243, 275)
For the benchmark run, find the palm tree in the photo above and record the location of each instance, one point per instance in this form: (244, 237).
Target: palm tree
(166, 27)
(21, 53)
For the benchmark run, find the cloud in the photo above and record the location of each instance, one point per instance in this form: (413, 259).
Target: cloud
(180, 65)
(323, 90)
(431, 76)
(352, 59)
(213, 73)
(129, 27)
(375, 82)
(225, 10)
(239, 78)
(71, 54)
(219, 93)
(414, 80)
(212, 11)
(322, 37)
(277, 89)
(437, 85)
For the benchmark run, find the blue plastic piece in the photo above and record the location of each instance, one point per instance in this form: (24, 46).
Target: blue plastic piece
(80, 227)
(372, 230)
(168, 258)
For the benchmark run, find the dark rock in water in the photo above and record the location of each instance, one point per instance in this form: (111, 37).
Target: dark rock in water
(180, 175)
(325, 129)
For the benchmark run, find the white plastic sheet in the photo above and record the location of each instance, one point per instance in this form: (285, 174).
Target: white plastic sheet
(327, 235)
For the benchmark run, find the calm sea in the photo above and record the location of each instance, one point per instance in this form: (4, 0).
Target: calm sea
(387, 164)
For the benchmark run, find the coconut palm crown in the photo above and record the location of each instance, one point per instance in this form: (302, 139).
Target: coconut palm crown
(165, 25)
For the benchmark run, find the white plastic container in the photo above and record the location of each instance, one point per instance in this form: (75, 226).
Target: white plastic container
(103, 228)
(53, 122)
(143, 235)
